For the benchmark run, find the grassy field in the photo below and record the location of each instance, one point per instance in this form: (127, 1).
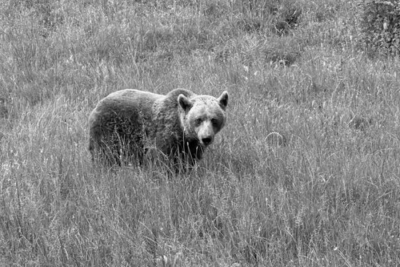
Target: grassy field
(328, 195)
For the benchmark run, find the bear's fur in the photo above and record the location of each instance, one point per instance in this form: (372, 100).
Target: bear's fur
(127, 123)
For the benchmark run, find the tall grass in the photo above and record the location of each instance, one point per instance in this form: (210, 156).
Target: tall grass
(327, 196)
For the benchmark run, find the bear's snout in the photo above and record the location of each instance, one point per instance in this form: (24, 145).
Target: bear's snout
(207, 140)
(205, 133)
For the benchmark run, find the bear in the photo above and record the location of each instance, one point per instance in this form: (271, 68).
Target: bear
(127, 124)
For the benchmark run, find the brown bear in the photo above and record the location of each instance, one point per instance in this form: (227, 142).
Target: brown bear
(128, 123)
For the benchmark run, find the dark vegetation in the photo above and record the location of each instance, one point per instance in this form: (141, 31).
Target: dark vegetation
(380, 26)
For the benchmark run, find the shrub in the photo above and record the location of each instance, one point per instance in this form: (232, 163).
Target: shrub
(380, 26)
(282, 14)
(287, 18)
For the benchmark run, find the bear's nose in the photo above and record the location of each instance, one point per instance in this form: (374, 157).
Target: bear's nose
(206, 141)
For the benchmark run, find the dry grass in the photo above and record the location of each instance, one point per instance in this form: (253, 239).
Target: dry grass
(328, 195)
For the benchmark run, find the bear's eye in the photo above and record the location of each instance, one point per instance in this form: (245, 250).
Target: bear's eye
(214, 121)
(198, 121)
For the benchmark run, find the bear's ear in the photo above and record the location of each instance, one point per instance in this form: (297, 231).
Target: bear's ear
(184, 102)
(223, 100)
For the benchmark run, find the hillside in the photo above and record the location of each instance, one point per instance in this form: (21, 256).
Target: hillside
(326, 194)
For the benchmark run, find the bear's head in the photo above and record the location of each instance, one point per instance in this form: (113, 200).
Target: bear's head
(202, 116)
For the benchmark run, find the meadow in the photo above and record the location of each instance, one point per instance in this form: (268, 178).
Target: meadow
(326, 195)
